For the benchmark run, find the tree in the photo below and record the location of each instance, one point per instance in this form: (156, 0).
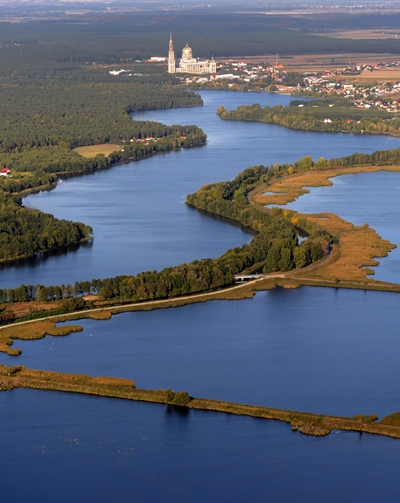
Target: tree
(299, 256)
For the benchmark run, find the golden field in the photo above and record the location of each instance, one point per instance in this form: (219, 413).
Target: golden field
(93, 150)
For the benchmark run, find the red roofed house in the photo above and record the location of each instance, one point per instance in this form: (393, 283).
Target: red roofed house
(5, 171)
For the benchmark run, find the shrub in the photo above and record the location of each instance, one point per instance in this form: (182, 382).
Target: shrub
(182, 398)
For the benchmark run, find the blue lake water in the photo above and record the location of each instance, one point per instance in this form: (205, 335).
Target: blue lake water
(322, 350)
(311, 349)
(92, 449)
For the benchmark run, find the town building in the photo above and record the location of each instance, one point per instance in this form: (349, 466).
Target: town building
(187, 63)
(5, 172)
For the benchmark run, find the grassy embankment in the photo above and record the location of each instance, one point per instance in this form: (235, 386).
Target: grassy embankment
(307, 423)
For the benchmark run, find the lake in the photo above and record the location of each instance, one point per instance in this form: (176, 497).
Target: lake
(322, 350)
(76, 448)
(137, 210)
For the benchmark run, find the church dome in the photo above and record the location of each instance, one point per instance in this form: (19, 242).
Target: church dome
(187, 53)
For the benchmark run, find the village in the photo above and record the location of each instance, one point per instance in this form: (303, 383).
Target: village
(339, 82)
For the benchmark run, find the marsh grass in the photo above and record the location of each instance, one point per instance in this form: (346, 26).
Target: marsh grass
(288, 188)
(392, 419)
(31, 331)
(351, 259)
(359, 246)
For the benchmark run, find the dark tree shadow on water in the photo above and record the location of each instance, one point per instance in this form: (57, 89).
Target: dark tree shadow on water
(31, 262)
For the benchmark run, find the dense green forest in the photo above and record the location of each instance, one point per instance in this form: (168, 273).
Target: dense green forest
(318, 115)
(36, 113)
(56, 49)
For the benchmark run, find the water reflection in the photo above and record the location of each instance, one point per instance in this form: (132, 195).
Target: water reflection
(176, 410)
(40, 258)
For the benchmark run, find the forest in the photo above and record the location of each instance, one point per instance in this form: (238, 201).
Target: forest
(35, 113)
(27, 232)
(318, 115)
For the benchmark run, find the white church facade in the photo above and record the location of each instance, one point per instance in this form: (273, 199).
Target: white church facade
(187, 63)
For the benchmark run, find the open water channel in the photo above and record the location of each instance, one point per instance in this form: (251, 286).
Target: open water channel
(321, 350)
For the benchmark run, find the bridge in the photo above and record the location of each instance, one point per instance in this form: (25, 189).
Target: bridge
(248, 277)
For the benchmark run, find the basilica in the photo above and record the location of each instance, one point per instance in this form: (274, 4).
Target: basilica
(187, 63)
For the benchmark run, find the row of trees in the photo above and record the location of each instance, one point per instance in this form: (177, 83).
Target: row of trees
(268, 252)
(338, 118)
(306, 163)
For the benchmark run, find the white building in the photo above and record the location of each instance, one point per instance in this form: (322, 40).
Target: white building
(187, 63)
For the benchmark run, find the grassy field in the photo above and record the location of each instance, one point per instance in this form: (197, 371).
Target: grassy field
(373, 34)
(322, 62)
(93, 150)
(367, 78)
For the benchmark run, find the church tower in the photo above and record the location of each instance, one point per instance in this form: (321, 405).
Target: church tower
(171, 56)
